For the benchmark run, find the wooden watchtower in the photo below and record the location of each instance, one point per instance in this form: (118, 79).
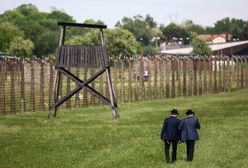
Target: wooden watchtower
(79, 56)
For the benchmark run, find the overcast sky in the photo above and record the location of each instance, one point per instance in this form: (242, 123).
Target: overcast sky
(204, 12)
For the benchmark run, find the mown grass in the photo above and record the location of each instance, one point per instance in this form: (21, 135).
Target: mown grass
(89, 138)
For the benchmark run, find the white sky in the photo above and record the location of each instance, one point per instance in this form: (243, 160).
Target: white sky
(204, 12)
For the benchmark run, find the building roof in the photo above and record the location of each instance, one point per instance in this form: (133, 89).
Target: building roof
(214, 47)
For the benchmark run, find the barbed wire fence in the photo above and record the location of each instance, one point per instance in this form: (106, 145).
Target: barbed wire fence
(27, 85)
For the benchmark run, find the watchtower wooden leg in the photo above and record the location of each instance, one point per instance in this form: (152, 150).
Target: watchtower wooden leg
(56, 89)
(112, 96)
(53, 91)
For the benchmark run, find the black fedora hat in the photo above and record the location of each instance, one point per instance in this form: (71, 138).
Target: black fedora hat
(189, 112)
(174, 111)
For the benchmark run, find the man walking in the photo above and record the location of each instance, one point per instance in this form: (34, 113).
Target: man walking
(189, 134)
(170, 135)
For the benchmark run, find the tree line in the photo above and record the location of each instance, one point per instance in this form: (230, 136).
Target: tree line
(26, 31)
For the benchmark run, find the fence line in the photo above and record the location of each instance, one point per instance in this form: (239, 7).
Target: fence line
(28, 85)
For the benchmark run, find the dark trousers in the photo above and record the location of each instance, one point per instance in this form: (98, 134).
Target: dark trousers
(190, 149)
(174, 150)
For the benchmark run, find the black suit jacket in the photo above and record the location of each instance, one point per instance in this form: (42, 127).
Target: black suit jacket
(170, 129)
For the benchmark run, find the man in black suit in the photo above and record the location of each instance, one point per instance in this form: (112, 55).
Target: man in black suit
(170, 135)
(189, 134)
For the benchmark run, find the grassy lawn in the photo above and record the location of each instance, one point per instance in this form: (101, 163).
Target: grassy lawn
(89, 138)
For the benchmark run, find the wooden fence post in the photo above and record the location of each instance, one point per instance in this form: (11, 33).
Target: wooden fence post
(2, 86)
(178, 64)
(224, 82)
(155, 79)
(195, 64)
(85, 97)
(237, 73)
(32, 89)
(23, 104)
(223, 74)
(162, 77)
(115, 81)
(232, 72)
(149, 94)
(200, 67)
(68, 89)
(173, 87)
(246, 72)
(167, 77)
(141, 78)
(51, 82)
(77, 100)
(220, 74)
(210, 72)
(228, 85)
(190, 75)
(42, 106)
(130, 74)
(122, 75)
(215, 75)
(205, 76)
(185, 70)
(230, 64)
(136, 96)
(12, 87)
(242, 72)
(119, 76)
(227, 74)
(101, 87)
(93, 100)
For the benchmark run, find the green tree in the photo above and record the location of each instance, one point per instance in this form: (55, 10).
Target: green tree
(91, 37)
(239, 29)
(150, 21)
(60, 16)
(39, 27)
(12, 16)
(119, 42)
(150, 51)
(236, 27)
(174, 33)
(46, 43)
(223, 25)
(21, 47)
(157, 35)
(200, 47)
(139, 26)
(190, 27)
(145, 31)
(8, 32)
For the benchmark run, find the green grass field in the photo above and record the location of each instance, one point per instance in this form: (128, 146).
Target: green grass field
(89, 138)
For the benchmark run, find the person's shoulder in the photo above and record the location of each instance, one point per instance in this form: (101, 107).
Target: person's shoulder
(193, 119)
(185, 118)
(166, 118)
(177, 119)
(173, 119)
